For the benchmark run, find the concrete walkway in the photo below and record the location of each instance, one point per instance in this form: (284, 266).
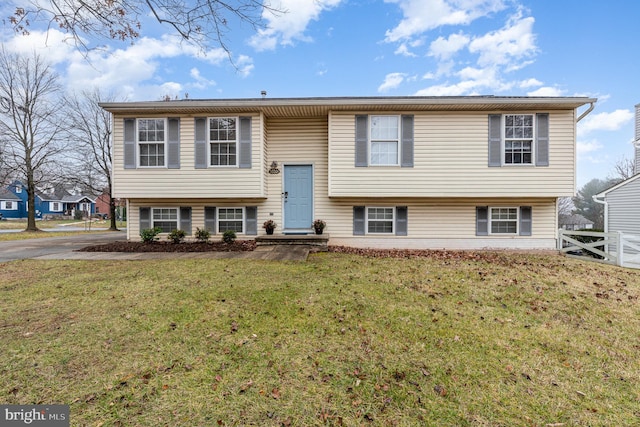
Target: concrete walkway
(66, 247)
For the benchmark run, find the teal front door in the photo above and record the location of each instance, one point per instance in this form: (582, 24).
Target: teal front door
(298, 197)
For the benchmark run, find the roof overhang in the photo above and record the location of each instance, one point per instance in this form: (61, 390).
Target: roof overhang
(314, 107)
(618, 185)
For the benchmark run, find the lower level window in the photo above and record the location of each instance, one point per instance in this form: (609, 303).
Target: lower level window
(231, 219)
(504, 220)
(165, 218)
(380, 220)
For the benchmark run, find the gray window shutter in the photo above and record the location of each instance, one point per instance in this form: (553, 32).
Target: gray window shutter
(401, 220)
(201, 143)
(407, 142)
(358, 221)
(362, 141)
(245, 143)
(495, 140)
(482, 221)
(145, 218)
(251, 220)
(542, 139)
(185, 220)
(130, 144)
(525, 220)
(173, 142)
(210, 219)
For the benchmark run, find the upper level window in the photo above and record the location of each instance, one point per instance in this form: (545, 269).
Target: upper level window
(18, 189)
(151, 142)
(385, 140)
(223, 141)
(504, 220)
(518, 139)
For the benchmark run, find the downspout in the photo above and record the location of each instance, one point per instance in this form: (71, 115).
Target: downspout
(606, 211)
(592, 105)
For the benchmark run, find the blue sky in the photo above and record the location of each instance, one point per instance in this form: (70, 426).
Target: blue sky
(389, 48)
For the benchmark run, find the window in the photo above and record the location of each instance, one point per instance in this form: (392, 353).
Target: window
(223, 141)
(385, 140)
(151, 142)
(504, 220)
(18, 189)
(518, 139)
(380, 220)
(231, 219)
(8, 205)
(56, 207)
(165, 218)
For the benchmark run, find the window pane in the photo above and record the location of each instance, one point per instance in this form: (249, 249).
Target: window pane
(384, 128)
(223, 154)
(222, 129)
(384, 153)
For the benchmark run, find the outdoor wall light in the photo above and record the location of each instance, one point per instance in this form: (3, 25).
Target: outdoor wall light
(274, 168)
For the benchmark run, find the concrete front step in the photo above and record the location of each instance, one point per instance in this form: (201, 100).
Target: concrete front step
(315, 241)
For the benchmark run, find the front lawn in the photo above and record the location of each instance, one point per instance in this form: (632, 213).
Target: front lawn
(491, 339)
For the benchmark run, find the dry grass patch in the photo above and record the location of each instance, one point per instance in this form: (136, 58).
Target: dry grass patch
(493, 339)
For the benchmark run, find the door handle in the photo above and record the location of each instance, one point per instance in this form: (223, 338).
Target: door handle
(285, 194)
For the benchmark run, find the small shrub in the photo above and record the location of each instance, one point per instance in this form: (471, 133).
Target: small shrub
(150, 235)
(78, 215)
(229, 236)
(177, 236)
(202, 235)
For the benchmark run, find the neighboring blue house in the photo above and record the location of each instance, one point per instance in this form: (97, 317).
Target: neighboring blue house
(11, 206)
(58, 202)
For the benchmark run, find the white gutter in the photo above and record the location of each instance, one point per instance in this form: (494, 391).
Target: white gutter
(606, 210)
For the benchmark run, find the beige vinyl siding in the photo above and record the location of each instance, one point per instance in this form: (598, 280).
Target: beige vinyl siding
(451, 160)
(188, 181)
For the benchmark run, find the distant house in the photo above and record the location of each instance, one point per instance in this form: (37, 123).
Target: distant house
(11, 206)
(59, 201)
(397, 172)
(574, 222)
(622, 201)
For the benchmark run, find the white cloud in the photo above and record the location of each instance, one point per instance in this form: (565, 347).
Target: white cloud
(514, 42)
(284, 28)
(443, 48)
(604, 121)
(404, 51)
(199, 81)
(530, 83)
(585, 147)
(547, 91)
(392, 81)
(425, 15)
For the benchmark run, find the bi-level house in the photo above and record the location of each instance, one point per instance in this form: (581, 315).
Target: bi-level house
(403, 172)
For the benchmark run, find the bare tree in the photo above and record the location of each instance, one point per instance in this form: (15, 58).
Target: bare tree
(203, 22)
(31, 127)
(565, 206)
(91, 133)
(623, 169)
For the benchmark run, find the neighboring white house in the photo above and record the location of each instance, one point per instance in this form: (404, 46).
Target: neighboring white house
(401, 172)
(622, 201)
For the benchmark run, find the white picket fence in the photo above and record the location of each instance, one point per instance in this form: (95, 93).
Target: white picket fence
(611, 248)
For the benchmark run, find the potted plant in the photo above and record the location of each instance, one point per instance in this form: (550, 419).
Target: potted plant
(269, 225)
(319, 225)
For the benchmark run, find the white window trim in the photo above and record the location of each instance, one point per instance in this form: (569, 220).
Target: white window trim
(14, 205)
(398, 140)
(209, 142)
(18, 189)
(244, 218)
(166, 207)
(138, 143)
(517, 232)
(503, 145)
(393, 220)
(52, 206)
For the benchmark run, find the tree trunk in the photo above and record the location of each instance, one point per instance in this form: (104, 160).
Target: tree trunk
(31, 202)
(112, 213)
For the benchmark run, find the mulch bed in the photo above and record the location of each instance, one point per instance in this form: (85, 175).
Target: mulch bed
(123, 246)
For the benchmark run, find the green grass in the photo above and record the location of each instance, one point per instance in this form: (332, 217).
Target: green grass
(496, 340)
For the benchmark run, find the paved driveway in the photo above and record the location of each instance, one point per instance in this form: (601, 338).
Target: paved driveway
(54, 247)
